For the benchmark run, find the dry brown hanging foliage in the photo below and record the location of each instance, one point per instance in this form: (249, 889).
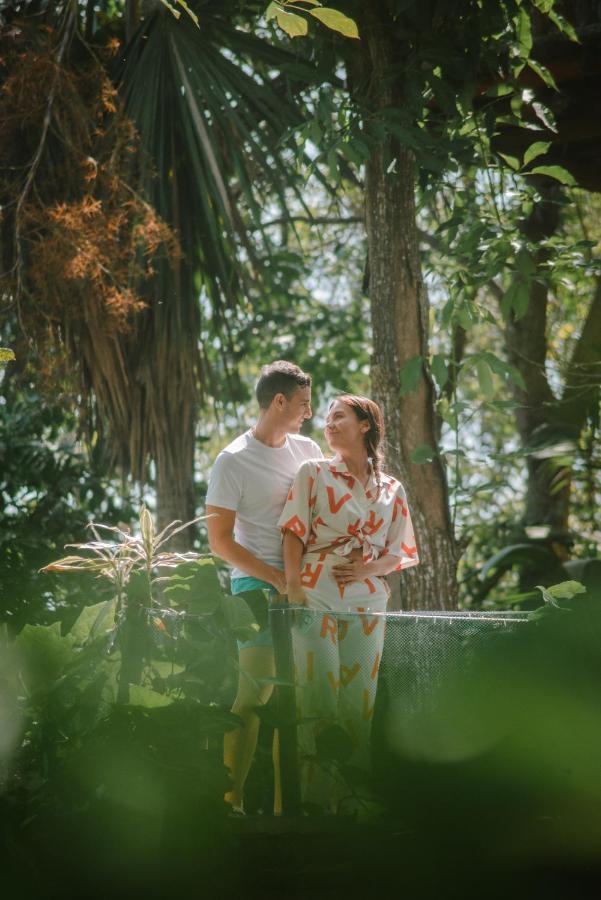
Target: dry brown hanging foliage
(75, 238)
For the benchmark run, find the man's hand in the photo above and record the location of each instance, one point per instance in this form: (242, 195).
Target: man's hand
(278, 580)
(297, 596)
(351, 570)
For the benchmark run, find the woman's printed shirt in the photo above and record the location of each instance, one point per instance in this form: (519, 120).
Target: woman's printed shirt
(327, 507)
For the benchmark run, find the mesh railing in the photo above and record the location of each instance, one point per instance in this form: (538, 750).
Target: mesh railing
(356, 676)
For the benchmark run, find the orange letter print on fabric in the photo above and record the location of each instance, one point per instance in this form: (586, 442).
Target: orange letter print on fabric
(310, 576)
(295, 526)
(347, 674)
(328, 626)
(371, 526)
(367, 626)
(335, 505)
(399, 504)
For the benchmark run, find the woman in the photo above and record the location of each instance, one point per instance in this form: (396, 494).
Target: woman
(345, 525)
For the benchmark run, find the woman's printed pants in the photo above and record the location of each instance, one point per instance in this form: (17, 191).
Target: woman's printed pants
(337, 658)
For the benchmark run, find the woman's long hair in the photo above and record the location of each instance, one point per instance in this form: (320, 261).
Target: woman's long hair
(368, 411)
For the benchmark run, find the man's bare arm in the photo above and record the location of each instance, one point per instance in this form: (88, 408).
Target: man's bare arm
(293, 554)
(220, 526)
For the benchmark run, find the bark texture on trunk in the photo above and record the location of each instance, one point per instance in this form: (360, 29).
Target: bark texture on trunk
(400, 328)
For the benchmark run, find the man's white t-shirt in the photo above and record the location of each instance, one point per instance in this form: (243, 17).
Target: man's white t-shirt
(253, 480)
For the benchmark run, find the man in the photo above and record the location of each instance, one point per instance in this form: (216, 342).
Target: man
(247, 490)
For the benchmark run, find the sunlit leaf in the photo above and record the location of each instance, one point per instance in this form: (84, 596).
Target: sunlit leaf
(539, 148)
(557, 172)
(336, 20)
(293, 25)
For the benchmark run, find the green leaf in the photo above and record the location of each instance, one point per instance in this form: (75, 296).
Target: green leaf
(423, 454)
(563, 25)
(293, 25)
(485, 379)
(336, 20)
(411, 374)
(539, 148)
(195, 585)
(565, 590)
(440, 370)
(524, 32)
(545, 115)
(557, 172)
(543, 73)
(525, 264)
(43, 653)
(239, 616)
(94, 621)
(271, 11)
(516, 298)
(512, 161)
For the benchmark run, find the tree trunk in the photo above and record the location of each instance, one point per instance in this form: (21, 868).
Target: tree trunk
(548, 483)
(399, 312)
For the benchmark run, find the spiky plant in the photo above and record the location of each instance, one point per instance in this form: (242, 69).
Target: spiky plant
(129, 556)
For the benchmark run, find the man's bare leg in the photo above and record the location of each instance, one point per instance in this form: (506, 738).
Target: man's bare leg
(240, 744)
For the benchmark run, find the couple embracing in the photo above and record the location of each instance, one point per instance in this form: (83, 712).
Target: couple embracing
(324, 531)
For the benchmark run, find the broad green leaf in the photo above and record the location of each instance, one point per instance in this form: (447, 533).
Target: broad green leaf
(43, 653)
(94, 621)
(195, 585)
(293, 25)
(557, 172)
(499, 90)
(545, 115)
(139, 695)
(423, 454)
(411, 374)
(485, 378)
(565, 590)
(512, 161)
(539, 148)
(336, 20)
(271, 11)
(563, 25)
(524, 32)
(543, 73)
(239, 617)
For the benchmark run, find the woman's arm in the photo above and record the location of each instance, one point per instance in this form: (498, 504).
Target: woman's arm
(354, 569)
(293, 549)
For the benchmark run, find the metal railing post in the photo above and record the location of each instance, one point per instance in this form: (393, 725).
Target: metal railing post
(280, 621)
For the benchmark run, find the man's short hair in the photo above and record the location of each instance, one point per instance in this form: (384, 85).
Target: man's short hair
(280, 377)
